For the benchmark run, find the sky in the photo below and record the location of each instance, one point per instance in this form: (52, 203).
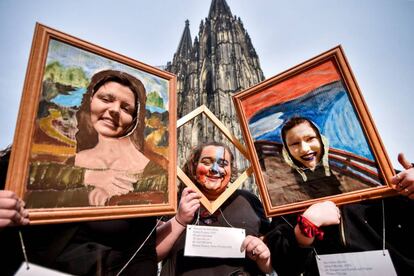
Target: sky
(376, 35)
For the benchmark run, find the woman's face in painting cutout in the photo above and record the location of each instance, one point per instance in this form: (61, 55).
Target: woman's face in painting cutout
(304, 145)
(213, 171)
(112, 109)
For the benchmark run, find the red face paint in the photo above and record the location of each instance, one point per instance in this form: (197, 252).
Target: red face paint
(213, 171)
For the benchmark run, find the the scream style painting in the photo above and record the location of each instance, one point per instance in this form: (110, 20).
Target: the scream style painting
(312, 136)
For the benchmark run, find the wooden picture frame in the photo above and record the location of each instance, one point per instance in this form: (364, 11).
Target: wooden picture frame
(55, 109)
(322, 96)
(213, 206)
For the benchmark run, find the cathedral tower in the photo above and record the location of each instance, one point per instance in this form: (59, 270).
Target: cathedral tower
(220, 62)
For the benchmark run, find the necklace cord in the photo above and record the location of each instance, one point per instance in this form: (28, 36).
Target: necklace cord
(24, 250)
(139, 248)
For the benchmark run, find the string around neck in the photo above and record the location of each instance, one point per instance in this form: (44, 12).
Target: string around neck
(24, 250)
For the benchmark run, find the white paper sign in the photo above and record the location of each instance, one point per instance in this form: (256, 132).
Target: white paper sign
(211, 241)
(37, 270)
(356, 264)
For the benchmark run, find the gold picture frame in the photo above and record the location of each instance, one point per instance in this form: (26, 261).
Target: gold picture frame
(212, 206)
(323, 92)
(58, 77)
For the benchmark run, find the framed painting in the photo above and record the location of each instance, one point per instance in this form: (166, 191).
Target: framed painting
(95, 135)
(311, 138)
(214, 205)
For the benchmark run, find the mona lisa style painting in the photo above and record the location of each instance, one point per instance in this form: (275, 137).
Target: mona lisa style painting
(95, 135)
(311, 138)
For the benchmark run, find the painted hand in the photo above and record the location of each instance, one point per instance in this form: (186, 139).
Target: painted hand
(98, 197)
(110, 181)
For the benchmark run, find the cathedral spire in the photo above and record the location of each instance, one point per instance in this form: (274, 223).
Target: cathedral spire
(222, 61)
(219, 7)
(184, 48)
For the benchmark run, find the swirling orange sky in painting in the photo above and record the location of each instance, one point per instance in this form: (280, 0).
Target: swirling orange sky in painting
(292, 88)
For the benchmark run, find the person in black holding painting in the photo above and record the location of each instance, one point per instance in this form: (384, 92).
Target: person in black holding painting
(86, 248)
(359, 229)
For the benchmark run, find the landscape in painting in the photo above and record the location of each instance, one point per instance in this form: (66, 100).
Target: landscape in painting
(67, 74)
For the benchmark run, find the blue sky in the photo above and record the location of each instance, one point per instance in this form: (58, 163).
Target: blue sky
(377, 36)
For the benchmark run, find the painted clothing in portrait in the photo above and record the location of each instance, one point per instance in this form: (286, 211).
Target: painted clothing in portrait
(289, 183)
(53, 185)
(241, 210)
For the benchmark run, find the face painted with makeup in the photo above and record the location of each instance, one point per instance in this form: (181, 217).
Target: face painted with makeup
(304, 145)
(213, 171)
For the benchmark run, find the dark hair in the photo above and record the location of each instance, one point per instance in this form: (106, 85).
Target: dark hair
(191, 165)
(291, 123)
(87, 137)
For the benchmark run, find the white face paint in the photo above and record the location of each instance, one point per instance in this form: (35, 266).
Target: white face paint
(304, 145)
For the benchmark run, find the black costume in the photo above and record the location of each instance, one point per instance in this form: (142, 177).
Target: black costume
(88, 248)
(242, 210)
(362, 228)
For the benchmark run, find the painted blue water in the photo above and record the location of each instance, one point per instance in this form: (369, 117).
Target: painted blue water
(73, 99)
(155, 109)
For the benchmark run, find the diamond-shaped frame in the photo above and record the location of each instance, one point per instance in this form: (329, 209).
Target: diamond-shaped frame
(212, 206)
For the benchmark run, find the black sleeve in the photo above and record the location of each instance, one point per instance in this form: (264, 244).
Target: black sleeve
(364, 229)
(288, 258)
(4, 164)
(258, 209)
